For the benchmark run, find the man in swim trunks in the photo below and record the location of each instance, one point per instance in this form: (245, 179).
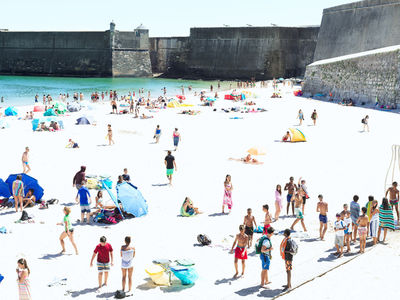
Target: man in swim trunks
(171, 165)
(25, 161)
(290, 187)
(394, 198)
(322, 208)
(362, 223)
(248, 222)
(303, 192)
(114, 106)
(242, 241)
(297, 209)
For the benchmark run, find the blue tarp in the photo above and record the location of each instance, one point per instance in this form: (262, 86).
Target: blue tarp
(29, 183)
(82, 121)
(50, 112)
(4, 191)
(112, 196)
(10, 111)
(185, 275)
(131, 199)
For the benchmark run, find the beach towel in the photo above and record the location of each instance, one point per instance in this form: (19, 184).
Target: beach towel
(386, 219)
(185, 262)
(185, 275)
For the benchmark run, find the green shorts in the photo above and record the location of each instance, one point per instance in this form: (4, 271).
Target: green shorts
(170, 172)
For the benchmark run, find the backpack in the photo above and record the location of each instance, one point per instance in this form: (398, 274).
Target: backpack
(293, 247)
(362, 121)
(260, 242)
(203, 239)
(24, 216)
(120, 294)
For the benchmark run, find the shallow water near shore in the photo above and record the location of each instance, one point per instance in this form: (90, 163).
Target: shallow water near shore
(21, 90)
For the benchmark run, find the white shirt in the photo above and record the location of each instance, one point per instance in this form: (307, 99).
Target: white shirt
(339, 225)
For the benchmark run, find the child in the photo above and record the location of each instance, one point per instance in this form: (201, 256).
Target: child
(347, 231)
(85, 200)
(242, 241)
(362, 224)
(248, 222)
(103, 252)
(267, 222)
(339, 236)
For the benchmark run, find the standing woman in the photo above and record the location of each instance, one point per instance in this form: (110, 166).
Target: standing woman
(278, 201)
(110, 135)
(365, 122)
(314, 117)
(68, 230)
(374, 223)
(177, 138)
(300, 116)
(18, 192)
(157, 134)
(23, 272)
(127, 255)
(386, 220)
(227, 193)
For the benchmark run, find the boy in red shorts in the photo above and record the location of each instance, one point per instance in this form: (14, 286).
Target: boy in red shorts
(242, 241)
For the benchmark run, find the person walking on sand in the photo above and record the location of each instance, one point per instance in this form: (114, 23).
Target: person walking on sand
(354, 214)
(394, 198)
(176, 136)
(314, 117)
(278, 201)
(322, 208)
(23, 272)
(242, 241)
(83, 196)
(79, 178)
(228, 187)
(297, 209)
(127, 255)
(265, 256)
(248, 222)
(25, 161)
(374, 223)
(110, 135)
(171, 165)
(290, 187)
(365, 123)
(362, 224)
(68, 230)
(386, 220)
(287, 251)
(300, 116)
(18, 193)
(157, 134)
(103, 251)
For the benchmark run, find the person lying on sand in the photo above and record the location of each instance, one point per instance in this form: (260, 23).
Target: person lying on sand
(188, 209)
(146, 117)
(287, 137)
(248, 160)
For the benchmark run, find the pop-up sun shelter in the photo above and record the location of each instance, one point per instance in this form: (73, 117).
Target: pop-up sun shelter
(131, 199)
(297, 135)
(4, 191)
(29, 183)
(73, 107)
(11, 111)
(49, 112)
(82, 121)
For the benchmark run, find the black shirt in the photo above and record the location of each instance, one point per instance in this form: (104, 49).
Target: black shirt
(170, 161)
(126, 177)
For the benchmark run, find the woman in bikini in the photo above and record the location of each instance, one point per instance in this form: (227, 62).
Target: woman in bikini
(127, 255)
(110, 135)
(278, 201)
(18, 192)
(228, 187)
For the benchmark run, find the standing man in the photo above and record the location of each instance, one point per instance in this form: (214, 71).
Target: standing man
(171, 165)
(265, 256)
(287, 251)
(242, 241)
(354, 214)
(297, 208)
(394, 198)
(314, 117)
(79, 178)
(303, 192)
(25, 161)
(290, 187)
(322, 208)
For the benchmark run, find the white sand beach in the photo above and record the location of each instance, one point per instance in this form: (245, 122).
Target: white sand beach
(337, 161)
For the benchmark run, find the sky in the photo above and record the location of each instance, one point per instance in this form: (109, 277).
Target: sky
(161, 17)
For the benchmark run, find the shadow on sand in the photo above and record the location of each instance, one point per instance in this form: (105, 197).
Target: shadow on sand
(226, 280)
(75, 294)
(175, 286)
(52, 256)
(218, 214)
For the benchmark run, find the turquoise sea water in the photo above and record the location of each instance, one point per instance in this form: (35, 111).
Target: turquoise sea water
(21, 90)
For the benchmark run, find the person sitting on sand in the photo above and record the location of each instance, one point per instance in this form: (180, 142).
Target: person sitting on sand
(100, 202)
(29, 199)
(72, 144)
(248, 159)
(287, 137)
(188, 209)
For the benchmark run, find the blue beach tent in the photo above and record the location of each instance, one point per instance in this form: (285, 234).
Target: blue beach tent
(4, 191)
(11, 111)
(29, 183)
(82, 121)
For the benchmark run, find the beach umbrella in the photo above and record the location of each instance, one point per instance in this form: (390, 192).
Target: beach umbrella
(256, 151)
(29, 183)
(11, 111)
